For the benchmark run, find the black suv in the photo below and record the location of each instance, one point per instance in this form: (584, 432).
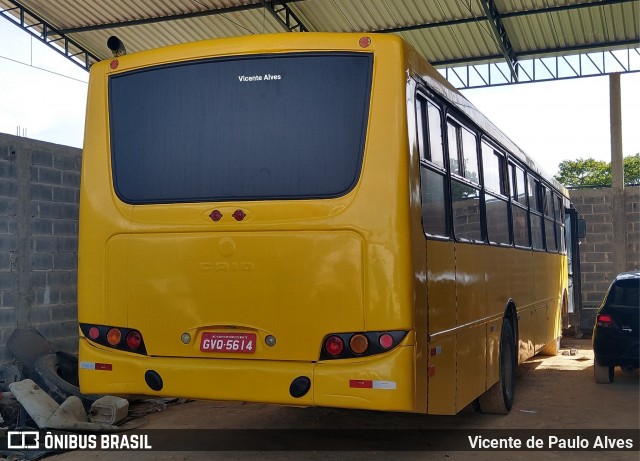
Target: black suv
(615, 334)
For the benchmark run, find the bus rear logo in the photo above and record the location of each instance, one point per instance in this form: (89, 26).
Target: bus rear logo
(234, 267)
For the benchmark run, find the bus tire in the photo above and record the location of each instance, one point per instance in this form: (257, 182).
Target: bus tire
(497, 400)
(48, 375)
(602, 373)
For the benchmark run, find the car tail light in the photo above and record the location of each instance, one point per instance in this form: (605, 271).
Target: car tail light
(604, 320)
(334, 345)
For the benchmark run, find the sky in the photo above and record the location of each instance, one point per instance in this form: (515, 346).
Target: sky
(43, 96)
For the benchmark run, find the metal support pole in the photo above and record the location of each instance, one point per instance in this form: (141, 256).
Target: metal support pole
(617, 176)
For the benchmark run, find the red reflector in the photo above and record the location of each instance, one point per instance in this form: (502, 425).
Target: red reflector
(364, 42)
(334, 345)
(114, 64)
(104, 366)
(604, 320)
(94, 333)
(361, 383)
(431, 370)
(386, 341)
(133, 339)
(239, 215)
(215, 215)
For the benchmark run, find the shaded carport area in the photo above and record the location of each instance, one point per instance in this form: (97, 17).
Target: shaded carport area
(473, 43)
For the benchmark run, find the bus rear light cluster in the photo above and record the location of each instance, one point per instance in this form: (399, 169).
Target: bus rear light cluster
(359, 344)
(124, 339)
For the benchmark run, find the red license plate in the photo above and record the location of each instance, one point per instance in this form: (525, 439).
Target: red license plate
(228, 342)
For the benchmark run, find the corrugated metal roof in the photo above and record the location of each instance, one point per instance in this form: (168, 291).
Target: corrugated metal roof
(444, 31)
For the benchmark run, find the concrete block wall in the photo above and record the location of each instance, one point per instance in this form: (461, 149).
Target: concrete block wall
(39, 196)
(597, 249)
(632, 213)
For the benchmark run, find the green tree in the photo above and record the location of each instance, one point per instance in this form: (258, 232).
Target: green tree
(631, 167)
(597, 173)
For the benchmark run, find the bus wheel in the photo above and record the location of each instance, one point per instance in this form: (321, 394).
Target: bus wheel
(497, 400)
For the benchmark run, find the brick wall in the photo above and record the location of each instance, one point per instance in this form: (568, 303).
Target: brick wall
(632, 213)
(39, 194)
(596, 251)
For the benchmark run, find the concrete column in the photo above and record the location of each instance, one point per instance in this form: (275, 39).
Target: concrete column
(23, 260)
(617, 175)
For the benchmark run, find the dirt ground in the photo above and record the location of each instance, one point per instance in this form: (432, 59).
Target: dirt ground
(551, 393)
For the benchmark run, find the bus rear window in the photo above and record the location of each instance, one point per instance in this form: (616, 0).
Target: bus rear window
(245, 128)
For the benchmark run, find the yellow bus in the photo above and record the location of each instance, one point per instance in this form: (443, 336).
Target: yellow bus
(309, 219)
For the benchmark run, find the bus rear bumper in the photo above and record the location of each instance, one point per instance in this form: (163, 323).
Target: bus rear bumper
(382, 382)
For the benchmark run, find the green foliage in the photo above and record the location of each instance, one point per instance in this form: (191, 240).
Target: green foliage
(631, 167)
(596, 173)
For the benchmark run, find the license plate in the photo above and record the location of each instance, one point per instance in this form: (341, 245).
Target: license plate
(228, 342)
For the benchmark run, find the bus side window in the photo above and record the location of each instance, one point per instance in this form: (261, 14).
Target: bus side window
(549, 223)
(466, 211)
(429, 131)
(434, 202)
(421, 126)
(521, 194)
(519, 215)
(452, 138)
(469, 156)
(433, 179)
(559, 217)
(496, 205)
(463, 152)
(493, 170)
(436, 150)
(535, 211)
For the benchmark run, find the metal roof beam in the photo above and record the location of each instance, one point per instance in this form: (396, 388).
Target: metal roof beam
(555, 9)
(284, 15)
(513, 14)
(194, 14)
(48, 30)
(595, 47)
(501, 36)
(540, 69)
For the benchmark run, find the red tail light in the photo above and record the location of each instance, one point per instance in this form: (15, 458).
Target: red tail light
(386, 341)
(239, 215)
(94, 333)
(133, 339)
(334, 345)
(604, 320)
